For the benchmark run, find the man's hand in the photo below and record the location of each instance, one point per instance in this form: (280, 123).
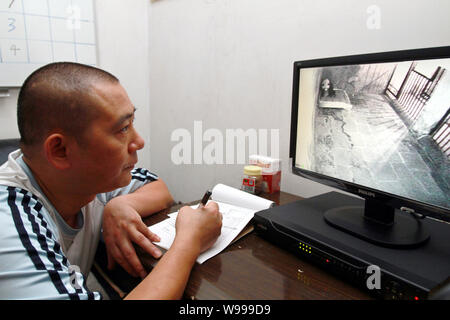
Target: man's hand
(122, 225)
(199, 227)
(196, 231)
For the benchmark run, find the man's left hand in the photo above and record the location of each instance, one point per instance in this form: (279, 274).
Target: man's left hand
(122, 225)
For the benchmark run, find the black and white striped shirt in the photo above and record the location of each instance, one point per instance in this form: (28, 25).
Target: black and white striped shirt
(33, 262)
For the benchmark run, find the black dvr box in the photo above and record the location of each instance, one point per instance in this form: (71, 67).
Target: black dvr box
(404, 273)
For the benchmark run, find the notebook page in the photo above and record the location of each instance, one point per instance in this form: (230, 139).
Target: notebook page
(235, 218)
(226, 194)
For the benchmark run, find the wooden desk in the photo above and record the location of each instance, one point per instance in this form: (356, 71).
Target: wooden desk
(253, 268)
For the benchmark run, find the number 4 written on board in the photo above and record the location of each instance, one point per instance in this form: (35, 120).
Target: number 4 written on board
(14, 48)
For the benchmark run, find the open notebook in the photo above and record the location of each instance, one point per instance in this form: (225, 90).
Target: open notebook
(237, 208)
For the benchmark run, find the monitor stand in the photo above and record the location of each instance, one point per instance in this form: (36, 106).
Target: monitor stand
(377, 223)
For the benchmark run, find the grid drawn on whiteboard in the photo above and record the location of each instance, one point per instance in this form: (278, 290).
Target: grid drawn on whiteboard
(38, 32)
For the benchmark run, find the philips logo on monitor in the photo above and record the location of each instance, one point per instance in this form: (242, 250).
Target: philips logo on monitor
(367, 193)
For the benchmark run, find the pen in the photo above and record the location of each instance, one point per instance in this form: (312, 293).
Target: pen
(205, 199)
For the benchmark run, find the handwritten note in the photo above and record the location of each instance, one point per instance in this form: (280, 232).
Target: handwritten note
(235, 219)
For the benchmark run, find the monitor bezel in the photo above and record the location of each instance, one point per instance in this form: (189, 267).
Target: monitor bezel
(389, 199)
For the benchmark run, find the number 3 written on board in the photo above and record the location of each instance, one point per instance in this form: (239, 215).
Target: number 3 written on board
(11, 25)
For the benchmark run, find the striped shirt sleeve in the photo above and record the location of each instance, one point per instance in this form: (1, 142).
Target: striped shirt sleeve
(32, 264)
(139, 177)
(143, 175)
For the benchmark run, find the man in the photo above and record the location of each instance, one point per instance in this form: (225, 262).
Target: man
(73, 176)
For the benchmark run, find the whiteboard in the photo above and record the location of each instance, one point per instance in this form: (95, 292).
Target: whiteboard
(36, 32)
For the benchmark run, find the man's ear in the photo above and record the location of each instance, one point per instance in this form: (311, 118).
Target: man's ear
(55, 148)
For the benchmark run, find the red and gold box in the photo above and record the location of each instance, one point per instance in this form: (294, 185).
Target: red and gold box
(271, 172)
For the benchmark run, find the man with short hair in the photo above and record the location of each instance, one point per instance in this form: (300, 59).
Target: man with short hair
(73, 176)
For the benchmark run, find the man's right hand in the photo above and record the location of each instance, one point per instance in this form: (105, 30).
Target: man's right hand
(196, 231)
(199, 227)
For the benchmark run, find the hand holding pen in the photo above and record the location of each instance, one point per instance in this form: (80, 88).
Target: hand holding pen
(205, 199)
(200, 230)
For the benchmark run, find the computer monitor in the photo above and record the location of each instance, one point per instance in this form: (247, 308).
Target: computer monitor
(377, 126)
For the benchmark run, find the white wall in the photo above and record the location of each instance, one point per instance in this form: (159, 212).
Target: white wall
(8, 118)
(229, 63)
(122, 37)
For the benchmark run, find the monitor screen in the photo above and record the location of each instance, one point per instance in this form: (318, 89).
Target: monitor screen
(378, 126)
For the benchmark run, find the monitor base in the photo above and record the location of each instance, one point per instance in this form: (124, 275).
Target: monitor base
(402, 232)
